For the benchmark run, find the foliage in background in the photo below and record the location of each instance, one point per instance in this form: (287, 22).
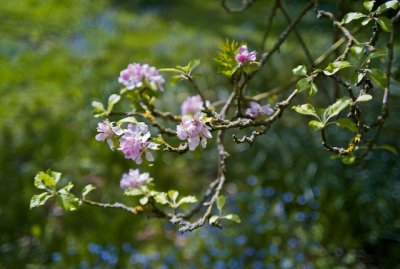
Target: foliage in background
(57, 55)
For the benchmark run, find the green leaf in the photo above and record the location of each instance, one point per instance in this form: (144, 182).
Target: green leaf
(378, 76)
(68, 201)
(389, 148)
(300, 70)
(97, 107)
(394, 4)
(306, 109)
(87, 189)
(221, 202)
(144, 200)
(385, 23)
(348, 159)
(312, 89)
(250, 67)
(227, 64)
(334, 67)
(366, 21)
(364, 98)
(127, 120)
(174, 70)
(187, 200)
(334, 109)
(173, 195)
(352, 16)
(133, 192)
(46, 180)
(112, 100)
(303, 85)
(347, 123)
(161, 198)
(40, 199)
(214, 219)
(316, 125)
(369, 5)
(378, 53)
(233, 217)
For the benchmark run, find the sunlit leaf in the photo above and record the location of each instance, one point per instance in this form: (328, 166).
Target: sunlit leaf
(214, 219)
(364, 98)
(334, 109)
(316, 125)
(221, 202)
(40, 199)
(369, 5)
(334, 67)
(394, 4)
(300, 70)
(233, 217)
(306, 109)
(87, 189)
(352, 16)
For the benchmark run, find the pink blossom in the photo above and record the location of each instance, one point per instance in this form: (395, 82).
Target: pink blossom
(134, 180)
(256, 110)
(194, 129)
(244, 56)
(106, 131)
(135, 75)
(134, 142)
(192, 105)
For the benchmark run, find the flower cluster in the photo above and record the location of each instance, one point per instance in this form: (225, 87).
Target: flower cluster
(192, 105)
(256, 110)
(244, 56)
(134, 180)
(135, 75)
(134, 142)
(106, 131)
(194, 129)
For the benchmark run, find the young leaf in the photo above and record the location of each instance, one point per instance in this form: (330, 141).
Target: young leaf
(214, 219)
(46, 180)
(87, 189)
(364, 98)
(300, 70)
(385, 23)
(306, 109)
(221, 202)
(161, 198)
(303, 85)
(312, 90)
(97, 107)
(233, 217)
(369, 5)
(127, 120)
(347, 123)
(334, 67)
(68, 201)
(40, 199)
(133, 192)
(112, 100)
(334, 109)
(144, 200)
(352, 16)
(394, 4)
(187, 200)
(251, 67)
(378, 76)
(348, 159)
(316, 125)
(173, 195)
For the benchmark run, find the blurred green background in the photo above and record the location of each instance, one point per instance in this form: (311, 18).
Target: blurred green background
(299, 208)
